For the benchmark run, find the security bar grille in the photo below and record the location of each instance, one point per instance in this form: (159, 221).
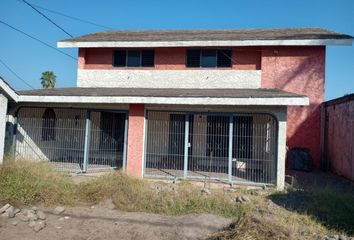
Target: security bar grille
(209, 142)
(228, 147)
(72, 140)
(165, 149)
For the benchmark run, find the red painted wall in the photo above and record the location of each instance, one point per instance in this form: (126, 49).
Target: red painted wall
(166, 59)
(135, 140)
(338, 151)
(300, 70)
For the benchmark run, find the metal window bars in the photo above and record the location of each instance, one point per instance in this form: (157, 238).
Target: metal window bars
(231, 147)
(80, 140)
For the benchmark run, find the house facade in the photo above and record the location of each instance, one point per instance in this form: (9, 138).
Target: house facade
(195, 104)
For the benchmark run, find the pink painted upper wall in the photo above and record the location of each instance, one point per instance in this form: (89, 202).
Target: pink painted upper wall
(299, 70)
(167, 59)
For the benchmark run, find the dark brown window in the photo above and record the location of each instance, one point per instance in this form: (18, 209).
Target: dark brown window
(48, 125)
(209, 58)
(134, 58)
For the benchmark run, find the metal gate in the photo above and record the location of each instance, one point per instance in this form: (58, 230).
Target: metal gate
(233, 147)
(72, 140)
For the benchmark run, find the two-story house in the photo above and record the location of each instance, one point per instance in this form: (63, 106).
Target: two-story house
(195, 104)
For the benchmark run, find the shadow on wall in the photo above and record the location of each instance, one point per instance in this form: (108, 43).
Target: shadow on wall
(307, 133)
(300, 71)
(327, 198)
(8, 148)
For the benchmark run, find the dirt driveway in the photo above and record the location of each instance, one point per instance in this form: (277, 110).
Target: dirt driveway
(101, 222)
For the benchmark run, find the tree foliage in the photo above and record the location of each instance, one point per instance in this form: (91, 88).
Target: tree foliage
(48, 79)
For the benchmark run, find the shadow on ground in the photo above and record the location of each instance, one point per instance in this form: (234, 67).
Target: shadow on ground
(327, 198)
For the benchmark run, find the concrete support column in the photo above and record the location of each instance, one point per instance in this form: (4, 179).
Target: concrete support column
(280, 167)
(3, 112)
(135, 151)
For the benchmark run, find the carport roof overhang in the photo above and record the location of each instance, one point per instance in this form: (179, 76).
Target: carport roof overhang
(265, 97)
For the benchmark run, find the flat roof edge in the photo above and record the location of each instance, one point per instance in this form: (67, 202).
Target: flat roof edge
(221, 43)
(258, 101)
(8, 91)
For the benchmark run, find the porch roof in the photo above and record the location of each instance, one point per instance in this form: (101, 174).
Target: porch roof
(259, 96)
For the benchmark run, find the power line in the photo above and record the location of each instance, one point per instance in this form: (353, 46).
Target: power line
(73, 18)
(50, 20)
(14, 73)
(38, 40)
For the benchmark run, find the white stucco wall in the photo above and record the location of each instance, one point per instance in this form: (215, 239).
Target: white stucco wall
(3, 111)
(169, 78)
(282, 118)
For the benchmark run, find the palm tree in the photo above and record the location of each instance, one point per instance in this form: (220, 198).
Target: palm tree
(48, 79)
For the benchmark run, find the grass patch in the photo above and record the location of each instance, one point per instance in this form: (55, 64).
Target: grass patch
(26, 183)
(296, 214)
(332, 208)
(140, 196)
(253, 228)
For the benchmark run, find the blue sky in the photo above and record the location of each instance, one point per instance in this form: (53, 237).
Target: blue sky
(29, 58)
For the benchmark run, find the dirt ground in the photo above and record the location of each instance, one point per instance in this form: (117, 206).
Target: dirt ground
(102, 222)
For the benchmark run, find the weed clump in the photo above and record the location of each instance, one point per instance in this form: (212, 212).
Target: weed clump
(130, 194)
(26, 183)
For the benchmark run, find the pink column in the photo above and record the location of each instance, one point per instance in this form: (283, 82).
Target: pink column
(135, 149)
(82, 58)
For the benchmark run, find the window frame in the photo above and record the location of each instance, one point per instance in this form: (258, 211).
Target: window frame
(200, 57)
(140, 57)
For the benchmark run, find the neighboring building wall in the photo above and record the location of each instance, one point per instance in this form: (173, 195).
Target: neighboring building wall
(300, 70)
(338, 129)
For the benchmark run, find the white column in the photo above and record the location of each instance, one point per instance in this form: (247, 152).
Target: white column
(3, 112)
(280, 168)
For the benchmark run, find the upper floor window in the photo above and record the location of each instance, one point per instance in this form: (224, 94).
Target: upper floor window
(209, 58)
(134, 58)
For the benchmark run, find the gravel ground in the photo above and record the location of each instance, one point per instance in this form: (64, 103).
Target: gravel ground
(102, 222)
